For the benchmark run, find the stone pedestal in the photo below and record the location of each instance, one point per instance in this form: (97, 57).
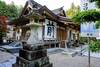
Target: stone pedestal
(35, 56)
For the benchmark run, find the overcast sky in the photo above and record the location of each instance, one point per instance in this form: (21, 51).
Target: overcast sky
(51, 4)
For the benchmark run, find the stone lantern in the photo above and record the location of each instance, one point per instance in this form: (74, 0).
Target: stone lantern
(33, 53)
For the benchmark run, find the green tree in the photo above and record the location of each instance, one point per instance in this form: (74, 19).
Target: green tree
(72, 10)
(97, 2)
(86, 16)
(95, 46)
(89, 15)
(98, 24)
(9, 11)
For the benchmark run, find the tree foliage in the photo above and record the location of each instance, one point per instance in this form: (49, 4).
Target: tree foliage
(95, 46)
(3, 23)
(6, 11)
(86, 16)
(97, 2)
(72, 11)
(98, 24)
(10, 10)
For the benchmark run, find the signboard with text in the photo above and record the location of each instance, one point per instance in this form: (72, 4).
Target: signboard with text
(88, 29)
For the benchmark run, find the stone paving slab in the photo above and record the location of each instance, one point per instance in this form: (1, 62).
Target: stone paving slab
(4, 56)
(61, 60)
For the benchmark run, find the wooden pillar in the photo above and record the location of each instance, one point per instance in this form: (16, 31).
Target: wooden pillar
(23, 33)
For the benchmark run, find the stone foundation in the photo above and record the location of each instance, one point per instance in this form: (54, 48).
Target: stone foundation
(35, 56)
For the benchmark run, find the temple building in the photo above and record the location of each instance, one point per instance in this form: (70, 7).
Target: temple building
(38, 24)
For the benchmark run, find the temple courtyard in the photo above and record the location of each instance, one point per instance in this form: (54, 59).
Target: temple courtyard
(62, 60)
(58, 59)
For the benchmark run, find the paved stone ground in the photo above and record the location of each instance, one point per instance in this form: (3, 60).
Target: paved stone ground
(4, 56)
(61, 60)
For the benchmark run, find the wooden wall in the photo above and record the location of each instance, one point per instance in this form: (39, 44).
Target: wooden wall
(61, 36)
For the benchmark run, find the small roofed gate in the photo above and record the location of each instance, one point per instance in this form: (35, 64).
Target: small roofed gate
(61, 36)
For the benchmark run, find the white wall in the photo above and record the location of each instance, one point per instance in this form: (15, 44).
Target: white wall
(10, 31)
(18, 34)
(98, 34)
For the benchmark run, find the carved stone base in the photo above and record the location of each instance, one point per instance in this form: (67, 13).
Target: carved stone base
(32, 57)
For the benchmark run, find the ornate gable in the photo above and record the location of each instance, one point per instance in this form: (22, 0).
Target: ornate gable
(30, 6)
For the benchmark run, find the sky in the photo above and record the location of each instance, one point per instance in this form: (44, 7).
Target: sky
(51, 4)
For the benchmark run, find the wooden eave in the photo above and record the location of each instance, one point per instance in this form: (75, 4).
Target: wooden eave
(34, 14)
(74, 26)
(46, 12)
(32, 24)
(19, 21)
(50, 15)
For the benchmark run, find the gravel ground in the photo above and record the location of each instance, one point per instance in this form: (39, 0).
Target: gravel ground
(61, 60)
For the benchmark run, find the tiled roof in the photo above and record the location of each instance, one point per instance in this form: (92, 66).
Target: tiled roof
(58, 11)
